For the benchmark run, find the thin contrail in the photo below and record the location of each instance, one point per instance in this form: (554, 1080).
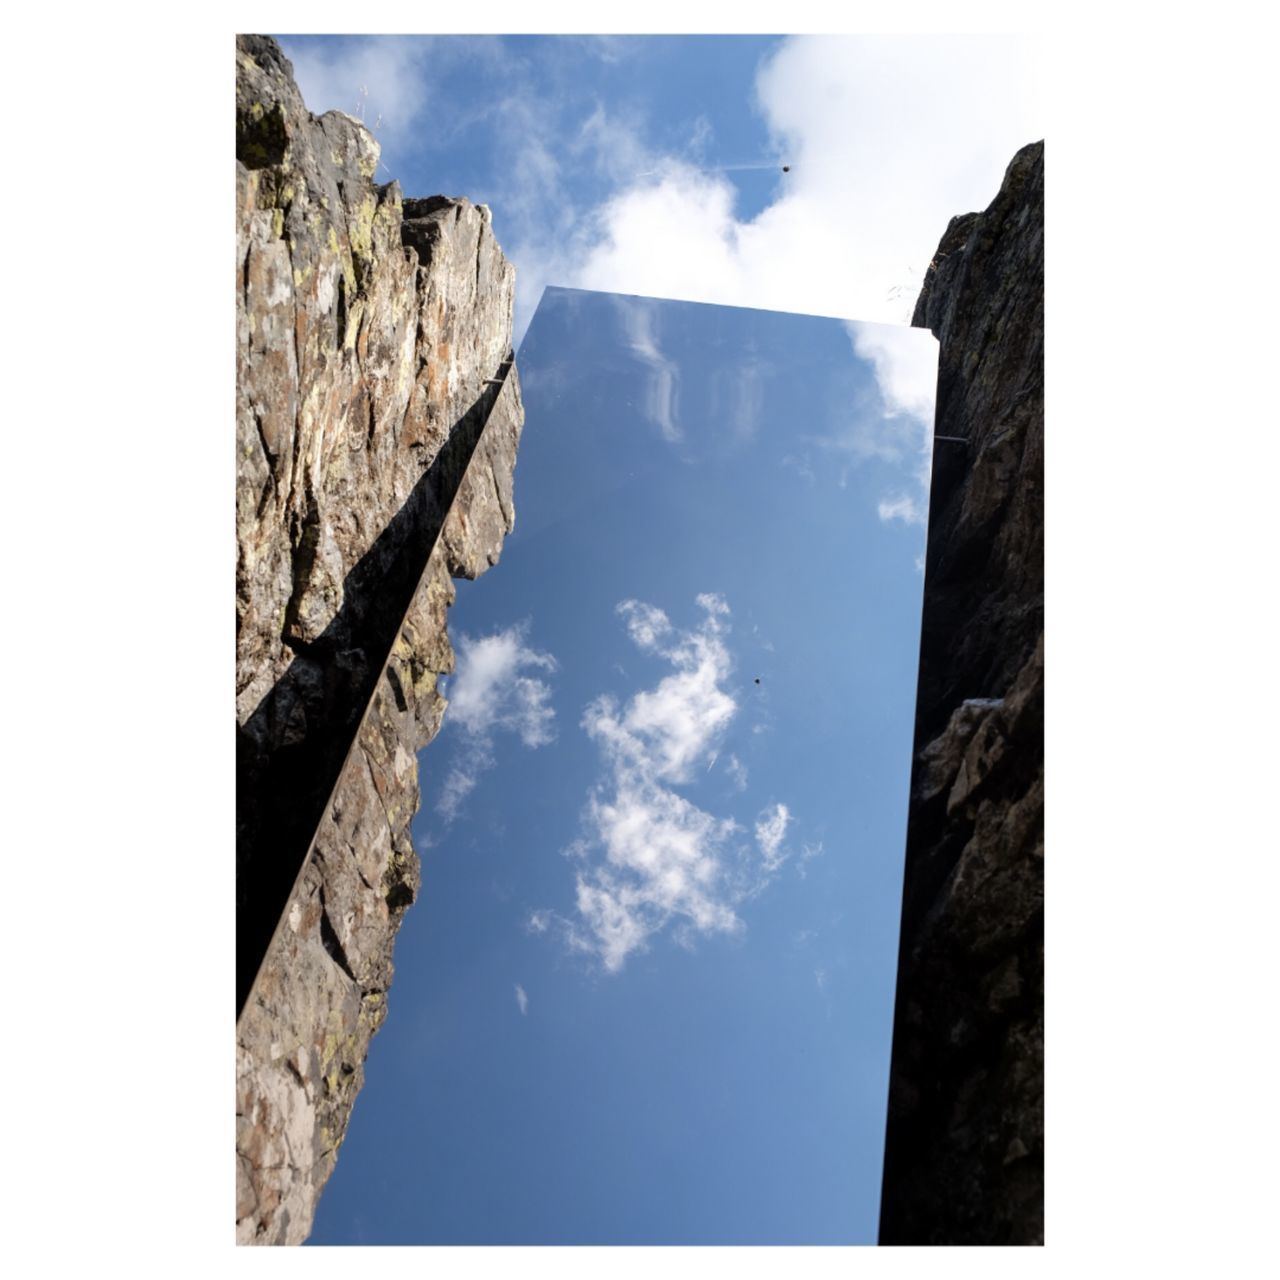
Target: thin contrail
(725, 168)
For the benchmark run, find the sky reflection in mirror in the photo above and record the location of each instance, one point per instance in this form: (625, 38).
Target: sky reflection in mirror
(646, 994)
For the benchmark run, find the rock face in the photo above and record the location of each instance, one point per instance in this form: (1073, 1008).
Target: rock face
(377, 422)
(964, 1154)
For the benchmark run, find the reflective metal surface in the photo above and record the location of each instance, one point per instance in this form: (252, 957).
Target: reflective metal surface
(646, 994)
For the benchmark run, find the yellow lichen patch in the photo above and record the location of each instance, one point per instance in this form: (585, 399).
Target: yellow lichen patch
(360, 229)
(354, 315)
(387, 220)
(277, 223)
(334, 247)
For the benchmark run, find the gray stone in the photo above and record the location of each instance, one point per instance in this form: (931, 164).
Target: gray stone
(367, 329)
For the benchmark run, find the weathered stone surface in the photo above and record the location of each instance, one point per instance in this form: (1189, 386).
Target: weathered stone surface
(964, 1151)
(368, 329)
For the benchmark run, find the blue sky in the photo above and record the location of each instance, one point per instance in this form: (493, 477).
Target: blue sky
(1129, 146)
(652, 165)
(646, 994)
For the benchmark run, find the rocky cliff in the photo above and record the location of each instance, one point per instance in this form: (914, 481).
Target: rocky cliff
(964, 1154)
(377, 421)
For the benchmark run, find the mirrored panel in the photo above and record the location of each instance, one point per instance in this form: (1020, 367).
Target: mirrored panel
(646, 994)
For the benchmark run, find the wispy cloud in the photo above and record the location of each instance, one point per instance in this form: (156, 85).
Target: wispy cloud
(881, 159)
(522, 1000)
(745, 384)
(887, 138)
(461, 780)
(771, 830)
(807, 854)
(737, 772)
(379, 79)
(906, 369)
(610, 49)
(902, 506)
(646, 624)
(639, 319)
(489, 694)
(649, 856)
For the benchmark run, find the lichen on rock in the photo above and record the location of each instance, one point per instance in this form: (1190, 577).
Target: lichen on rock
(368, 330)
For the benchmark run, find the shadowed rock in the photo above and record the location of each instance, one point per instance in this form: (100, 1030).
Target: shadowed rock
(964, 1150)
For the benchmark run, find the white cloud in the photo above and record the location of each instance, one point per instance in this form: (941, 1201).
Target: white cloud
(902, 506)
(906, 365)
(807, 854)
(689, 214)
(888, 137)
(461, 781)
(746, 384)
(663, 857)
(737, 772)
(771, 830)
(648, 855)
(490, 694)
(612, 144)
(906, 368)
(646, 624)
(661, 389)
(522, 1000)
(663, 732)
